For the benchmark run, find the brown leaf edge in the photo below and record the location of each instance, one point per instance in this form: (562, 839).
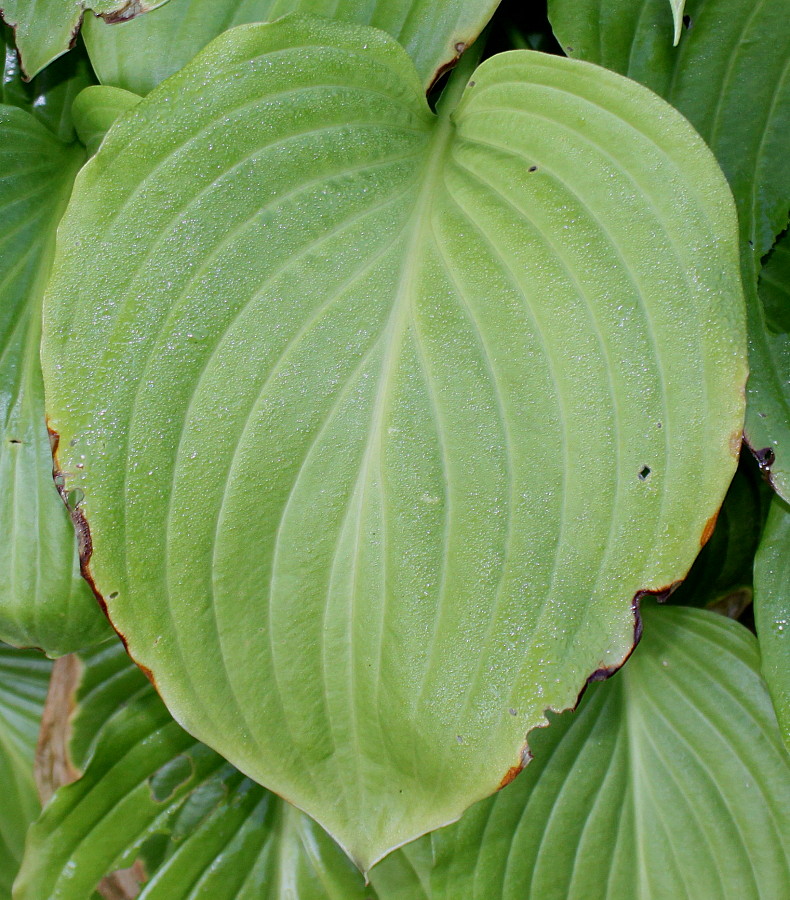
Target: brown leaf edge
(85, 547)
(53, 766)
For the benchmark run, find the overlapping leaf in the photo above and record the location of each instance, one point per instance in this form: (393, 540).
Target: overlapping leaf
(722, 574)
(669, 781)
(139, 54)
(201, 828)
(43, 600)
(730, 77)
(96, 109)
(45, 29)
(383, 418)
(23, 687)
(772, 609)
(48, 97)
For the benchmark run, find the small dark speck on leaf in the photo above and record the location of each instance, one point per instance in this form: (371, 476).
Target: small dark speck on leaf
(112, 595)
(687, 22)
(472, 83)
(644, 473)
(14, 441)
(762, 415)
(459, 739)
(513, 712)
(533, 168)
(569, 49)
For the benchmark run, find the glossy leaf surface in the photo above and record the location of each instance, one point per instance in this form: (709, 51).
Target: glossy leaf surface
(149, 788)
(23, 688)
(43, 600)
(45, 29)
(139, 54)
(669, 781)
(772, 609)
(49, 96)
(385, 417)
(730, 78)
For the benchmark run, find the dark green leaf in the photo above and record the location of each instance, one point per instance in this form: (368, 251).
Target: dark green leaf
(23, 687)
(150, 789)
(43, 600)
(772, 609)
(669, 781)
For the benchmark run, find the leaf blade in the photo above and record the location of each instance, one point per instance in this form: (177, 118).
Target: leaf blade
(717, 78)
(771, 576)
(138, 55)
(44, 602)
(435, 349)
(145, 781)
(670, 778)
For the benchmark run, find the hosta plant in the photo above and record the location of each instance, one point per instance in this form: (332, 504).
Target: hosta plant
(377, 372)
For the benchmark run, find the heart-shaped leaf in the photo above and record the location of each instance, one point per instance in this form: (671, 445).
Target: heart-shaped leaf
(730, 78)
(772, 609)
(23, 688)
(43, 600)
(45, 29)
(383, 418)
(670, 780)
(137, 55)
(150, 791)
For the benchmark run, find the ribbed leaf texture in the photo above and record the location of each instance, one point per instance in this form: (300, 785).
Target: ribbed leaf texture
(23, 687)
(670, 780)
(382, 418)
(43, 600)
(730, 77)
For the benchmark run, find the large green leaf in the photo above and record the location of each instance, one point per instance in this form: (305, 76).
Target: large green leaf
(384, 418)
(730, 77)
(772, 609)
(139, 54)
(49, 95)
(23, 688)
(202, 828)
(670, 781)
(45, 29)
(43, 600)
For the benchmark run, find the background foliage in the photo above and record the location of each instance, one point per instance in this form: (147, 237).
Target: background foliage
(237, 179)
